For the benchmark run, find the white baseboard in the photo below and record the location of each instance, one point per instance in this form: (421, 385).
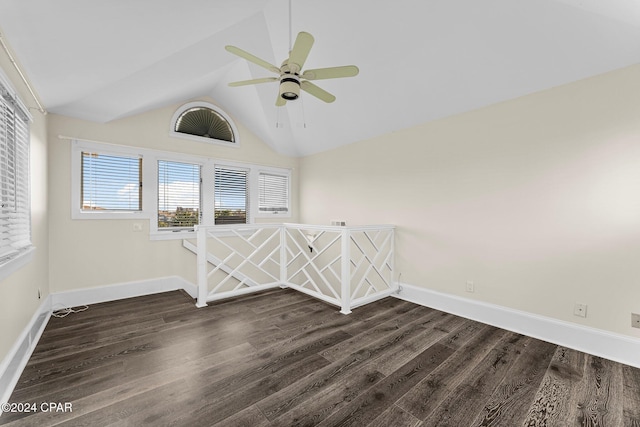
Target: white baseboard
(118, 291)
(616, 347)
(13, 364)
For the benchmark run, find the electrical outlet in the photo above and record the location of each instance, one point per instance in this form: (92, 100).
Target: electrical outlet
(137, 226)
(580, 310)
(471, 286)
(635, 320)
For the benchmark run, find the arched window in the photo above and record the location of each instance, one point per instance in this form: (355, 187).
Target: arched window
(201, 121)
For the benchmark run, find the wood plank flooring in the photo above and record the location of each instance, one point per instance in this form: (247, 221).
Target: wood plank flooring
(281, 358)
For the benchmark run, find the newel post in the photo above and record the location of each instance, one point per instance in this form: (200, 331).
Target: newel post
(283, 256)
(345, 292)
(201, 260)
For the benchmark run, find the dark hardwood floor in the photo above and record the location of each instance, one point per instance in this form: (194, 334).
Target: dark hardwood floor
(281, 358)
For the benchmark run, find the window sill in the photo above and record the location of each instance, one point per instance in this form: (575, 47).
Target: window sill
(75, 214)
(172, 235)
(272, 215)
(17, 263)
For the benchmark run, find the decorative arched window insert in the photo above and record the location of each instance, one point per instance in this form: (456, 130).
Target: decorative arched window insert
(204, 122)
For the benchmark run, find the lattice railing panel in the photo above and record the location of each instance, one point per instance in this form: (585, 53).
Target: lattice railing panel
(238, 260)
(371, 254)
(346, 266)
(311, 261)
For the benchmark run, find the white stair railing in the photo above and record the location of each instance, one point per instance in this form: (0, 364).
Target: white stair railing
(344, 266)
(314, 273)
(237, 260)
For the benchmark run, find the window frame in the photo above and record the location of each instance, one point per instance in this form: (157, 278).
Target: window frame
(249, 184)
(202, 104)
(78, 147)
(97, 183)
(273, 214)
(150, 184)
(206, 200)
(24, 254)
(157, 205)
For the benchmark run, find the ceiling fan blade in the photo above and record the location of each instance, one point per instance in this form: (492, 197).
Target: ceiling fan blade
(331, 73)
(316, 91)
(252, 58)
(254, 81)
(301, 49)
(280, 101)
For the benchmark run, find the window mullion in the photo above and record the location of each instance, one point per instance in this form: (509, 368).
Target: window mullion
(208, 193)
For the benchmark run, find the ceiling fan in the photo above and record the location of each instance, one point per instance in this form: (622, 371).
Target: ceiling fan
(290, 74)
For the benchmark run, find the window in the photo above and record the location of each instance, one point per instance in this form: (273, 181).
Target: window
(204, 122)
(174, 191)
(178, 195)
(273, 193)
(15, 209)
(231, 195)
(111, 183)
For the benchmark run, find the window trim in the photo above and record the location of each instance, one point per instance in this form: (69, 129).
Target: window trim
(17, 262)
(190, 105)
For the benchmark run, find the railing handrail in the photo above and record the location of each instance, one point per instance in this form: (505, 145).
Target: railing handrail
(237, 227)
(314, 227)
(338, 227)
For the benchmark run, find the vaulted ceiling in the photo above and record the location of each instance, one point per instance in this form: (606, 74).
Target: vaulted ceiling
(419, 60)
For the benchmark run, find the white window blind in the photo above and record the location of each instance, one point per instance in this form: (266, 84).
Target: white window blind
(273, 193)
(111, 183)
(178, 194)
(15, 209)
(231, 195)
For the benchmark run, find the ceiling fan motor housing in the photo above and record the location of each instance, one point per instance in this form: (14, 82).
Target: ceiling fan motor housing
(290, 87)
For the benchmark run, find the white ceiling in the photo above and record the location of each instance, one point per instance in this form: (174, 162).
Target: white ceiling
(419, 60)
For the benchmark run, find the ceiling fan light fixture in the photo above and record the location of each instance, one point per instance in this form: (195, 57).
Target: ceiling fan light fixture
(290, 87)
(291, 76)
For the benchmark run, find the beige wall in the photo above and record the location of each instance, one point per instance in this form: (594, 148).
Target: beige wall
(89, 253)
(19, 292)
(536, 200)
